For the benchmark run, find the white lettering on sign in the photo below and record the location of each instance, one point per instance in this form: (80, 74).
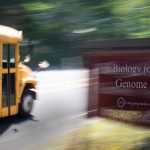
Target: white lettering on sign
(118, 68)
(129, 84)
(146, 69)
(122, 102)
(132, 70)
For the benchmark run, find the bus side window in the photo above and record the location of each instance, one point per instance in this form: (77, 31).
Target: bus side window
(11, 49)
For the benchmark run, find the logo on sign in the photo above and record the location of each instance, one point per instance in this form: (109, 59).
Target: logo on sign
(121, 102)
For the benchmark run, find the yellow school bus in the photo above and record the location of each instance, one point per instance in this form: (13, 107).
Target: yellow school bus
(17, 83)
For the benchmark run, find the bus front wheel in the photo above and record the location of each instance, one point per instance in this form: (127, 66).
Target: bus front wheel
(26, 104)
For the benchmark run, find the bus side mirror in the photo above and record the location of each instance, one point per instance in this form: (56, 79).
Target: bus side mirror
(44, 64)
(27, 59)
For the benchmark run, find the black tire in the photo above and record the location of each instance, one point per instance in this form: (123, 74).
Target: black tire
(26, 104)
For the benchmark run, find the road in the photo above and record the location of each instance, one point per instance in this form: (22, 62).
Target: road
(61, 107)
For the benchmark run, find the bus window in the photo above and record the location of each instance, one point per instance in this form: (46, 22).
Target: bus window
(5, 88)
(9, 49)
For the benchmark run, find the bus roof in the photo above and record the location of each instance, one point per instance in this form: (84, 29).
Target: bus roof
(10, 35)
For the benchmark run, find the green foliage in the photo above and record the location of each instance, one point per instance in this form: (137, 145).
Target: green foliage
(38, 6)
(53, 22)
(112, 19)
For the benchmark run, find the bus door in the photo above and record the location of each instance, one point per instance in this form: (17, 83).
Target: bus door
(8, 104)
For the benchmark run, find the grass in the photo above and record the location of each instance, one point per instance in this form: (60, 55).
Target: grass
(104, 135)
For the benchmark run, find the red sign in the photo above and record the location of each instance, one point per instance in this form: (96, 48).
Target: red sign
(123, 80)
(124, 85)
